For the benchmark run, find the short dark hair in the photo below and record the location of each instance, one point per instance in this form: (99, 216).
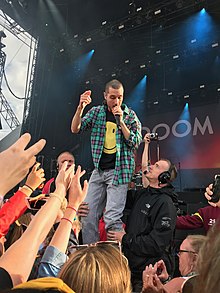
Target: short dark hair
(172, 169)
(115, 84)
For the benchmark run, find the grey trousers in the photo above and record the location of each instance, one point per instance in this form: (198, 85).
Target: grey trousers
(102, 195)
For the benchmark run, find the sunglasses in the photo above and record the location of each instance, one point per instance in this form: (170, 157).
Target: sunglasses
(116, 244)
(187, 251)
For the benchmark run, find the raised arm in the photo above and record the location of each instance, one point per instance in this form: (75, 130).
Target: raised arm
(76, 197)
(16, 205)
(16, 161)
(85, 100)
(145, 159)
(19, 258)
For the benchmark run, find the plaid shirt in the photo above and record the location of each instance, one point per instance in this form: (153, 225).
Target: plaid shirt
(95, 119)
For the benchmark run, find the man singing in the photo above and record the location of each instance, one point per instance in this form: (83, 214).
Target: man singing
(115, 134)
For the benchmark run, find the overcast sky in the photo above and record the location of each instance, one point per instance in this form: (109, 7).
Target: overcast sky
(17, 54)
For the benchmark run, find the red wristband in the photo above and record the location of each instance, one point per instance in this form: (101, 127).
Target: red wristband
(72, 208)
(67, 220)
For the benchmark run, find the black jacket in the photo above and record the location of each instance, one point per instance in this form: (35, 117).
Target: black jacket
(150, 228)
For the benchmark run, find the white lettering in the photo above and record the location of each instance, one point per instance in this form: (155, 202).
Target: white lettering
(165, 126)
(164, 130)
(186, 132)
(202, 129)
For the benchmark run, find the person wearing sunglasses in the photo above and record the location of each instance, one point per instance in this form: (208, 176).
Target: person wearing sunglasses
(155, 276)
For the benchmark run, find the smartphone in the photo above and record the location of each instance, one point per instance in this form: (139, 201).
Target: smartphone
(216, 189)
(35, 204)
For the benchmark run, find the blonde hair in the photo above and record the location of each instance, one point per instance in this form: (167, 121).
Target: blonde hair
(208, 279)
(196, 242)
(97, 269)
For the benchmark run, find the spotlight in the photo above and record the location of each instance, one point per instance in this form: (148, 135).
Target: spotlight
(186, 96)
(214, 45)
(88, 39)
(121, 26)
(157, 12)
(193, 41)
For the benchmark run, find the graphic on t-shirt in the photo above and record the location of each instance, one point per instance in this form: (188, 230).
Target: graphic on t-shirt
(110, 138)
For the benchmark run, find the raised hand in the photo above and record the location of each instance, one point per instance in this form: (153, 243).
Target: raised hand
(16, 161)
(76, 192)
(35, 177)
(85, 99)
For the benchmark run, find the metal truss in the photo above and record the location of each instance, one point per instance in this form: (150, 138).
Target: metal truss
(5, 108)
(26, 117)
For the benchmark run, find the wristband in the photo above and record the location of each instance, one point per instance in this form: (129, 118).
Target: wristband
(27, 186)
(72, 208)
(57, 196)
(67, 220)
(167, 280)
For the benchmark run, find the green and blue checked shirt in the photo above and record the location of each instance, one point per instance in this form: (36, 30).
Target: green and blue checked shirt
(95, 119)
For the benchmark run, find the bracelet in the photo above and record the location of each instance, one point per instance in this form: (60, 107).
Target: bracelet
(167, 280)
(72, 208)
(57, 196)
(67, 220)
(27, 186)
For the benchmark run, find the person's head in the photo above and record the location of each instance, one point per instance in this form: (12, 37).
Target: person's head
(114, 94)
(188, 253)
(208, 279)
(17, 229)
(100, 268)
(65, 156)
(161, 173)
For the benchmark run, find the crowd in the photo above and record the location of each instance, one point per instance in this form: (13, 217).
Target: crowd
(53, 242)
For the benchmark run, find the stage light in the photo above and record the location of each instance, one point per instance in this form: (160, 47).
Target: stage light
(113, 74)
(87, 82)
(121, 26)
(193, 41)
(202, 86)
(104, 22)
(88, 39)
(139, 9)
(158, 51)
(127, 61)
(203, 11)
(142, 66)
(176, 56)
(218, 89)
(186, 96)
(100, 69)
(157, 12)
(214, 45)
(75, 36)
(169, 93)
(156, 103)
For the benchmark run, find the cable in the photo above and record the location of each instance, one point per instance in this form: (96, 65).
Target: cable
(6, 81)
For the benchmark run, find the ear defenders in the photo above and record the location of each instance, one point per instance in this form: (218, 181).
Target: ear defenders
(164, 177)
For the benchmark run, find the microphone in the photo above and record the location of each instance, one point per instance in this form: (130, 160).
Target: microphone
(117, 117)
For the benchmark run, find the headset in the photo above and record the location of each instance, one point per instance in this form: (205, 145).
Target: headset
(168, 176)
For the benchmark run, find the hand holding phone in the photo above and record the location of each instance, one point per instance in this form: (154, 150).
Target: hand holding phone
(216, 190)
